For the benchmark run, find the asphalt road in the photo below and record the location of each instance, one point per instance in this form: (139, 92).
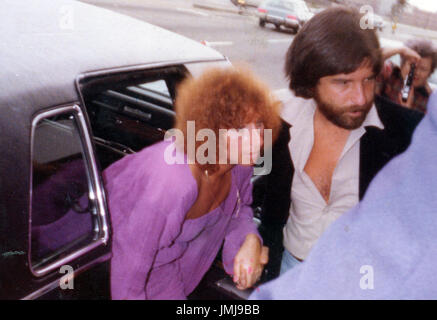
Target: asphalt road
(237, 36)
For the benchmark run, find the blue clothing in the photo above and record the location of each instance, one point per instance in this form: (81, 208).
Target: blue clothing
(288, 261)
(385, 247)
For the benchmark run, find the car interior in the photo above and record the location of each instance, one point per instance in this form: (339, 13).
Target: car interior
(130, 112)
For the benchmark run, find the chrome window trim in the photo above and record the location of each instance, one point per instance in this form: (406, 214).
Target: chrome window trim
(96, 189)
(143, 67)
(54, 284)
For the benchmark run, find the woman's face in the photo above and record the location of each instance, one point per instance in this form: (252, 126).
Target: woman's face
(423, 71)
(245, 144)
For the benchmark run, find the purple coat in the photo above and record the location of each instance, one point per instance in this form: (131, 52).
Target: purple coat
(157, 254)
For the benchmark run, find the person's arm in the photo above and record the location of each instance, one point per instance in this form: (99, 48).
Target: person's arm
(243, 253)
(405, 52)
(142, 221)
(409, 56)
(249, 262)
(134, 248)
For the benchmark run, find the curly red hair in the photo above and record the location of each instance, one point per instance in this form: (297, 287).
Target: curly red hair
(225, 98)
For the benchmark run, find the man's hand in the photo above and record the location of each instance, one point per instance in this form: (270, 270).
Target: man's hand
(249, 262)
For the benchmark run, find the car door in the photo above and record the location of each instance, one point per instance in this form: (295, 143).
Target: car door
(67, 228)
(69, 223)
(65, 247)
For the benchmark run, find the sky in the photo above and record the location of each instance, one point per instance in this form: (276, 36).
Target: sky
(430, 5)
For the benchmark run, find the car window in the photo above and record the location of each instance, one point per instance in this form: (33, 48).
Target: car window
(131, 111)
(283, 4)
(63, 215)
(157, 89)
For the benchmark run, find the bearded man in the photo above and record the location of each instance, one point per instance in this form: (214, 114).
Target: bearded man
(336, 134)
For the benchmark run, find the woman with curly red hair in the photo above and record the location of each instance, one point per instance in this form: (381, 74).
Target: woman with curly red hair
(170, 219)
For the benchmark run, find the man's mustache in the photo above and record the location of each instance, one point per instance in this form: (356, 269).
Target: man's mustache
(361, 108)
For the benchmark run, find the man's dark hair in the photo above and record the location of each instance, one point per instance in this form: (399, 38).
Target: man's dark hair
(425, 49)
(332, 42)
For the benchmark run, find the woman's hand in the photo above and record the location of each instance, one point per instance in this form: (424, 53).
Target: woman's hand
(249, 262)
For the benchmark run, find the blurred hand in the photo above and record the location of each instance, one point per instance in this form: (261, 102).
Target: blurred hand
(249, 262)
(410, 55)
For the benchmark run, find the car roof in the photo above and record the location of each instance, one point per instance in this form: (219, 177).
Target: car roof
(45, 45)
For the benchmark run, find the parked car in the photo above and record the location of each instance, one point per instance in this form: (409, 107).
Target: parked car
(81, 88)
(291, 14)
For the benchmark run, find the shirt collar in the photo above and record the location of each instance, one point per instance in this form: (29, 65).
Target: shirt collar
(298, 112)
(301, 119)
(372, 119)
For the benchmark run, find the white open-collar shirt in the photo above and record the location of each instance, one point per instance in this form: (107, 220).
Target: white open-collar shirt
(310, 215)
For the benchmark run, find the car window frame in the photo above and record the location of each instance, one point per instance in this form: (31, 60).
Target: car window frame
(171, 73)
(96, 190)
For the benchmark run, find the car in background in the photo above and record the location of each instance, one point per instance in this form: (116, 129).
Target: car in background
(82, 87)
(291, 14)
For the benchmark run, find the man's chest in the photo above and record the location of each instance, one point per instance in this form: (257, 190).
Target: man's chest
(329, 172)
(320, 171)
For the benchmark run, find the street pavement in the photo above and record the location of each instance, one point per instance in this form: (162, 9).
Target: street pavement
(218, 5)
(217, 23)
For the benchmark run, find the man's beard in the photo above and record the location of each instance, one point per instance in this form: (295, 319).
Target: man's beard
(341, 116)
